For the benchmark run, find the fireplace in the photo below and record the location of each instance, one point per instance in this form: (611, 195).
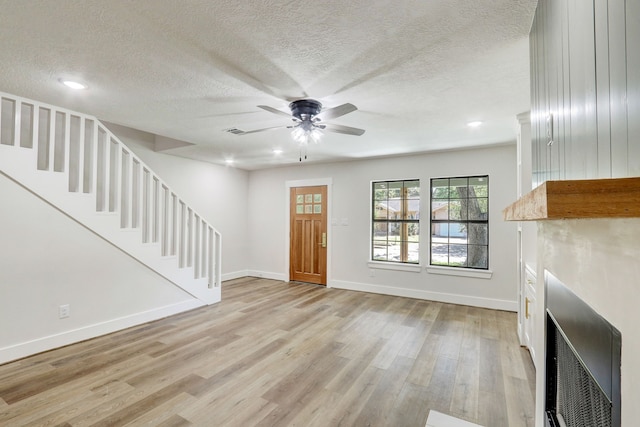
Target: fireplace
(582, 369)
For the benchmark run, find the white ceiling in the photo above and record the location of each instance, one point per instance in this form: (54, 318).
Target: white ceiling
(418, 70)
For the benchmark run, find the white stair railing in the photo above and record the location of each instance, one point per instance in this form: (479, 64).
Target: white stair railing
(76, 164)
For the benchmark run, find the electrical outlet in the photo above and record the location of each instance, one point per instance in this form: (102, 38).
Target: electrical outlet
(63, 311)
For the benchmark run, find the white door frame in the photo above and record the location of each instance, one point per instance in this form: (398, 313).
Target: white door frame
(287, 216)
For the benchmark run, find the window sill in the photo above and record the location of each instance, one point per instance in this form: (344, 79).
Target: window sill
(413, 268)
(464, 272)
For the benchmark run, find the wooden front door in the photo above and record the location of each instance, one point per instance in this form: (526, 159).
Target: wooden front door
(308, 235)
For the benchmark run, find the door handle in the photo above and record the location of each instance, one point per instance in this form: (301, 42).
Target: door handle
(526, 308)
(324, 240)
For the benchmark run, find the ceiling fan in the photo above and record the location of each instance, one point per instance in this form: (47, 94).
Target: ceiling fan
(308, 117)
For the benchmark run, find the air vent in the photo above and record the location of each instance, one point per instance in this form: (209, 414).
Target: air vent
(234, 131)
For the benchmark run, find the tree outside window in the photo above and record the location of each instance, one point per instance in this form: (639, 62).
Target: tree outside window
(460, 222)
(396, 221)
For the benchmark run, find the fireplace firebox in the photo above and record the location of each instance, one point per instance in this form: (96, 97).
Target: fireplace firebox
(582, 366)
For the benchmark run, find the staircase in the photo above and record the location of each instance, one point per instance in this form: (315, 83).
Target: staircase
(73, 162)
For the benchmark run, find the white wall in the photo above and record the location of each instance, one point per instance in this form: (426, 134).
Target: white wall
(217, 193)
(47, 259)
(598, 260)
(349, 245)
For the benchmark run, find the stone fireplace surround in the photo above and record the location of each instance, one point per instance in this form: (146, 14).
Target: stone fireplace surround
(597, 256)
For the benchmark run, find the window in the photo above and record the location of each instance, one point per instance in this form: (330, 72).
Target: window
(460, 222)
(395, 222)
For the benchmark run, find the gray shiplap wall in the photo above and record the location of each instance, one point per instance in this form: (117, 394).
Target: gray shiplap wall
(585, 89)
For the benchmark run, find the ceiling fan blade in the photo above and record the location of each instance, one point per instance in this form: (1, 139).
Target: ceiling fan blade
(274, 111)
(347, 130)
(260, 130)
(338, 111)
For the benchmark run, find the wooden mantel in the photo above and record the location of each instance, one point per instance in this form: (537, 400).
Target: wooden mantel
(588, 198)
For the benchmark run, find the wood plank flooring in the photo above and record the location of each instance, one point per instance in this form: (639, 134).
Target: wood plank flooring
(284, 354)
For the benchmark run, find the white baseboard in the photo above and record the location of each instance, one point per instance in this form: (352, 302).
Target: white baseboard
(520, 334)
(473, 301)
(235, 275)
(267, 275)
(253, 273)
(39, 345)
(495, 304)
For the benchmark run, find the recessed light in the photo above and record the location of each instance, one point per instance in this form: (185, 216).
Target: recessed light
(474, 124)
(278, 151)
(73, 84)
(228, 161)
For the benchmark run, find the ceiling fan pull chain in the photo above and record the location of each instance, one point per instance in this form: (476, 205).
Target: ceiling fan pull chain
(303, 149)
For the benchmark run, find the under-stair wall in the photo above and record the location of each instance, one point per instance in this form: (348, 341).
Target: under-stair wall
(77, 165)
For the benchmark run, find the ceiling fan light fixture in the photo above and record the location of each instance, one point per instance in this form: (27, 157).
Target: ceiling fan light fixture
(308, 118)
(315, 135)
(303, 136)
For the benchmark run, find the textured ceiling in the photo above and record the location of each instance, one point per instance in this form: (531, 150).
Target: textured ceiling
(418, 70)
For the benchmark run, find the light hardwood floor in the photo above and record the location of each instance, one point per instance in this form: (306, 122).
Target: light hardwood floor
(284, 354)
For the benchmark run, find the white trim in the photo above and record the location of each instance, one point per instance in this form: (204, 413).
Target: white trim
(495, 304)
(267, 275)
(253, 273)
(524, 118)
(461, 272)
(398, 266)
(18, 351)
(235, 275)
(287, 218)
